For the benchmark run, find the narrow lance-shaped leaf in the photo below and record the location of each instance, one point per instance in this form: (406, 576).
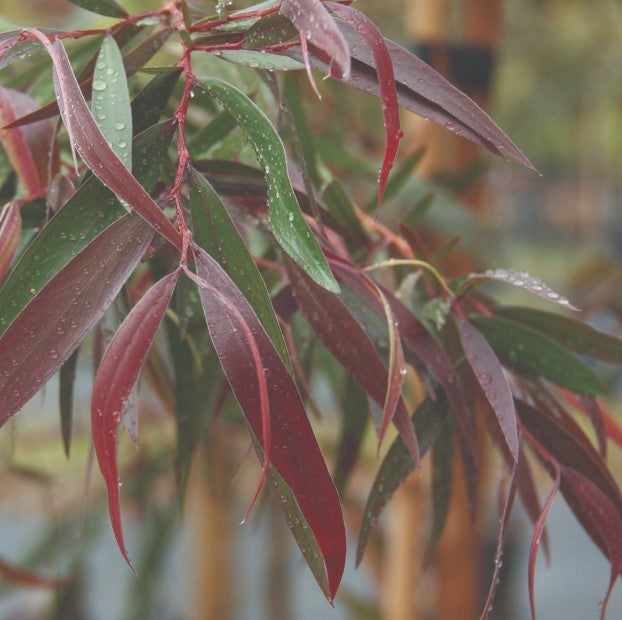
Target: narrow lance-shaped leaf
(503, 522)
(604, 517)
(53, 324)
(428, 420)
(570, 333)
(90, 211)
(442, 473)
(492, 380)
(524, 347)
(316, 26)
(29, 149)
(67, 381)
(92, 146)
(344, 337)
(132, 62)
(386, 82)
(103, 7)
(10, 232)
(216, 233)
(288, 224)
(111, 101)
(116, 375)
(293, 450)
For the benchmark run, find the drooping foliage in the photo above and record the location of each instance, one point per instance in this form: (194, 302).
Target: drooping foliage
(197, 201)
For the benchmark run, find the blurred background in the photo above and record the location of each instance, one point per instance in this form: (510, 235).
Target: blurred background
(548, 71)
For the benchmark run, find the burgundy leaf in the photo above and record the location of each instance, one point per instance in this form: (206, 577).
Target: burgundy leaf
(537, 535)
(132, 62)
(116, 375)
(344, 337)
(505, 517)
(386, 82)
(423, 91)
(28, 148)
(10, 232)
(317, 27)
(493, 381)
(604, 517)
(22, 577)
(47, 331)
(93, 147)
(293, 450)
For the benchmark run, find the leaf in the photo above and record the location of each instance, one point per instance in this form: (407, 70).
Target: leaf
(536, 537)
(111, 101)
(594, 412)
(10, 233)
(442, 474)
(116, 375)
(492, 380)
(288, 224)
(94, 149)
(150, 103)
(355, 416)
(344, 337)
(52, 325)
(427, 420)
(293, 450)
(521, 279)
(604, 517)
(423, 91)
(570, 333)
(25, 578)
(29, 148)
(215, 131)
(103, 7)
(386, 82)
(523, 347)
(503, 523)
(261, 60)
(316, 26)
(90, 211)
(65, 399)
(340, 205)
(216, 233)
(273, 29)
(132, 62)
(569, 447)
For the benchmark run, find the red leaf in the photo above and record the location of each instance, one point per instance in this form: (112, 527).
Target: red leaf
(317, 27)
(116, 375)
(386, 81)
(612, 426)
(293, 450)
(344, 337)
(592, 409)
(28, 148)
(493, 381)
(93, 147)
(537, 535)
(10, 231)
(47, 331)
(505, 517)
(604, 517)
(22, 577)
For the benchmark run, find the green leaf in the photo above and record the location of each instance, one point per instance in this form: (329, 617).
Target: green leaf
(148, 106)
(428, 420)
(215, 131)
(340, 205)
(216, 233)
(570, 333)
(110, 104)
(90, 210)
(288, 224)
(442, 473)
(273, 29)
(261, 60)
(103, 7)
(67, 380)
(523, 347)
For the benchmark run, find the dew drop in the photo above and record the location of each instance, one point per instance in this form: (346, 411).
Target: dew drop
(99, 85)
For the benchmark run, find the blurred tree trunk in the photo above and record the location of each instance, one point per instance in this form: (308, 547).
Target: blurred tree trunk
(468, 65)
